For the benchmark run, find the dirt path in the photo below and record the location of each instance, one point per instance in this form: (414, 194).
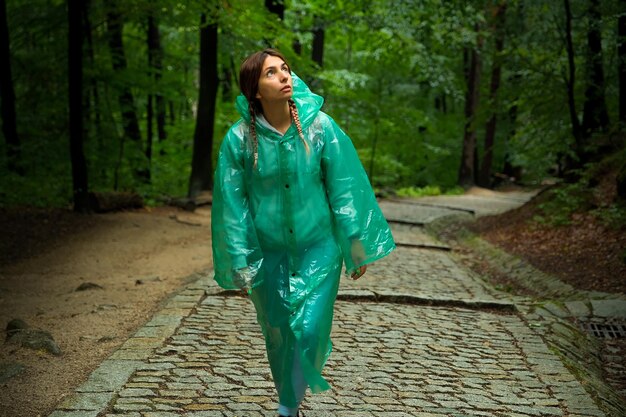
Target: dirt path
(46, 255)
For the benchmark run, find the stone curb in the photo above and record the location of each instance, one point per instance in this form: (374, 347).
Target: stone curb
(411, 299)
(549, 318)
(105, 382)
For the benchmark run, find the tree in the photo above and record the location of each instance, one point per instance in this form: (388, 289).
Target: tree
(201, 178)
(621, 62)
(317, 52)
(467, 170)
(75, 79)
(595, 114)
(126, 100)
(570, 81)
(484, 179)
(155, 67)
(277, 7)
(155, 62)
(7, 97)
(92, 79)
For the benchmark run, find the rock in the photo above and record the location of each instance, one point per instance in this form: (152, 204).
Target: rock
(19, 333)
(150, 279)
(14, 326)
(36, 339)
(10, 369)
(105, 307)
(105, 339)
(88, 286)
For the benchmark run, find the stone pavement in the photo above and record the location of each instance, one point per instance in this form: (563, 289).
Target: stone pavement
(417, 336)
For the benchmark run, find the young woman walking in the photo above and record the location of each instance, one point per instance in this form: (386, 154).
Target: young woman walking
(291, 203)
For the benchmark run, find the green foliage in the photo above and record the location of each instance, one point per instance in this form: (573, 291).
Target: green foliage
(613, 216)
(564, 200)
(384, 170)
(393, 77)
(429, 190)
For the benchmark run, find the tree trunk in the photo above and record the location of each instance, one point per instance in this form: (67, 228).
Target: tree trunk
(484, 179)
(227, 84)
(510, 171)
(277, 7)
(155, 57)
(75, 73)
(172, 112)
(441, 103)
(317, 50)
(467, 172)
(621, 62)
(126, 100)
(201, 165)
(7, 98)
(297, 47)
(571, 82)
(152, 72)
(317, 53)
(595, 114)
(149, 133)
(621, 183)
(92, 80)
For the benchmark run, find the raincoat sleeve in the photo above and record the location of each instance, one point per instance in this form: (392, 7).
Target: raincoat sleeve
(237, 255)
(360, 227)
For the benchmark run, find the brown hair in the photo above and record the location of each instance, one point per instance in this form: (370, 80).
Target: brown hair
(249, 75)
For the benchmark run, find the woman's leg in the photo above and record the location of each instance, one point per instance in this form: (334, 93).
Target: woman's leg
(296, 321)
(274, 316)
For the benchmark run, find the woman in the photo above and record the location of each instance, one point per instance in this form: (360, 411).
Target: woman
(291, 202)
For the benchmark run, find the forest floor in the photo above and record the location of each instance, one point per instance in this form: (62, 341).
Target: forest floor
(585, 253)
(140, 257)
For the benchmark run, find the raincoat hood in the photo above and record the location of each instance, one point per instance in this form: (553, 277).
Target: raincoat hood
(308, 103)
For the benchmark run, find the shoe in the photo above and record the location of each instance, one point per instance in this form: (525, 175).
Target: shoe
(280, 415)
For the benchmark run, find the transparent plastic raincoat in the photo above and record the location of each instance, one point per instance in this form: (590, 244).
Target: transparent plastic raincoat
(284, 228)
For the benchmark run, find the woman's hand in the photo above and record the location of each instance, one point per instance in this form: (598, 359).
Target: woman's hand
(243, 278)
(359, 272)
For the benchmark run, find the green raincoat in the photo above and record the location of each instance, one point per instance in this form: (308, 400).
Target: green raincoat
(287, 225)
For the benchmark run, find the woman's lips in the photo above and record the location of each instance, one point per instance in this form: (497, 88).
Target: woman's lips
(286, 88)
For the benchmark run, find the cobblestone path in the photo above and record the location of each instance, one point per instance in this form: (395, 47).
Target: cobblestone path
(417, 336)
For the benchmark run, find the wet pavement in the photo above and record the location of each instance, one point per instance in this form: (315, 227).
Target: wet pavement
(418, 335)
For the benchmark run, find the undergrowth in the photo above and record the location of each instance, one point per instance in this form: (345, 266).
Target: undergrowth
(429, 190)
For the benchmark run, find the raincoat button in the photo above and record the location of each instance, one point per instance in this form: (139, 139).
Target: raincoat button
(286, 185)
(290, 230)
(293, 274)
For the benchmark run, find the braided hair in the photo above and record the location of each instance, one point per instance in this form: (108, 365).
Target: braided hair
(296, 119)
(255, 142)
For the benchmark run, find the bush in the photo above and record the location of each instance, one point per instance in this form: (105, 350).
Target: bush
(562, 202)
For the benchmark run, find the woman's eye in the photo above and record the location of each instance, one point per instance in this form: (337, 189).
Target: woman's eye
(270, 73)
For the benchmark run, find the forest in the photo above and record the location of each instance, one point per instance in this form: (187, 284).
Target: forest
(105, 96)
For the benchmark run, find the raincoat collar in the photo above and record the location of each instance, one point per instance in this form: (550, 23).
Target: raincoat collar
(307, 103)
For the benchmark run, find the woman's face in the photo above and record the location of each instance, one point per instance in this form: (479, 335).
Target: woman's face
(275, 82)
